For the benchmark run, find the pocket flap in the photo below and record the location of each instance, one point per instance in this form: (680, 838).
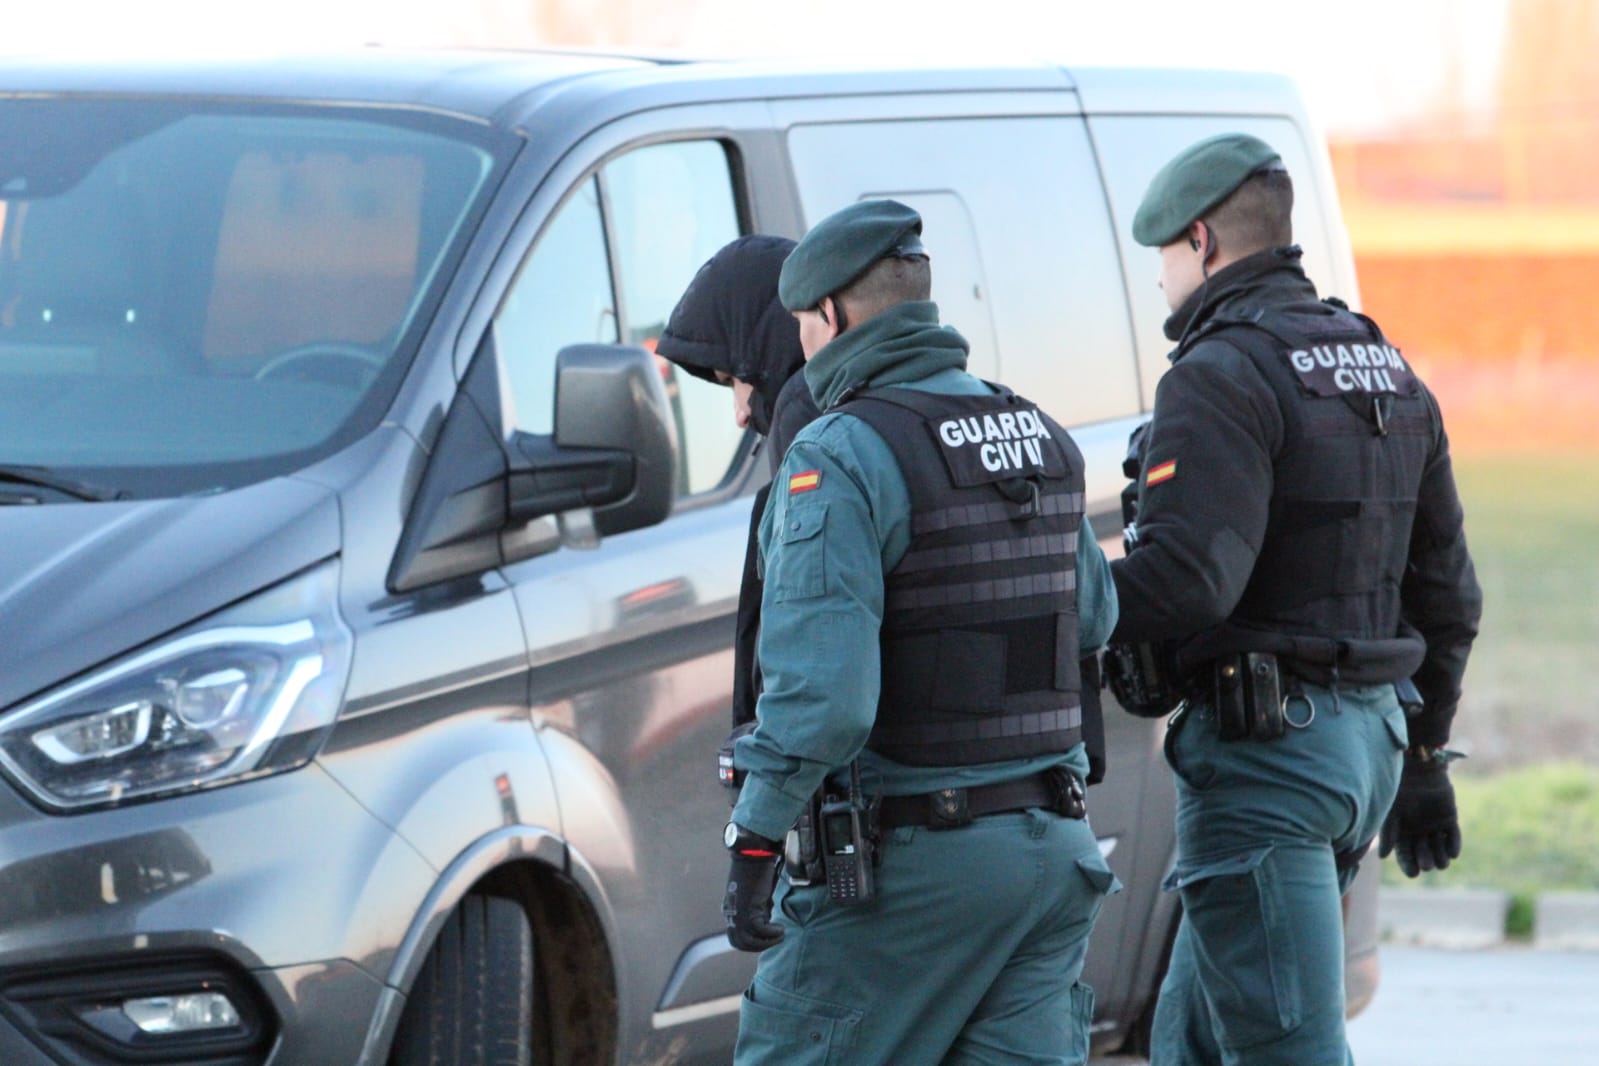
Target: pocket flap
(1098, 875)
(780, 1027)
(1398, 726)
(803, 523)
(1187, 873)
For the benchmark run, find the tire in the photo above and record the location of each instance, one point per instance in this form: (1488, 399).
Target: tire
(472, 1004)
(1141, 1039)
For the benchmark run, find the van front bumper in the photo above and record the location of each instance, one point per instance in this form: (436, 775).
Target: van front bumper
(283, 890)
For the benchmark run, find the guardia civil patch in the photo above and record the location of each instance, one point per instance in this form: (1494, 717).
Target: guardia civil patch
(997, 438)
(804, 482)
(1161, 472)
(1343, 369)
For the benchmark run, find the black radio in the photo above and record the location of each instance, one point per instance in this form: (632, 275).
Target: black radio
(844, 832)
(846, 853)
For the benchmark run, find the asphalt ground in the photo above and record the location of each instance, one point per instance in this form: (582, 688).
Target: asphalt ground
(1437, 1007)
(1506, 1005)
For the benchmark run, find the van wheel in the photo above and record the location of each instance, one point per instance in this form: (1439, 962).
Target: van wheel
(472, 1004)
(1141, 1040)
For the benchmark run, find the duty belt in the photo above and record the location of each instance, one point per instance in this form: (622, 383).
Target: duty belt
(1056, 790)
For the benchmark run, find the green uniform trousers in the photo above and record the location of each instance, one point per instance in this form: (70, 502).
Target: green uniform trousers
(970, 953)
(1257, 969)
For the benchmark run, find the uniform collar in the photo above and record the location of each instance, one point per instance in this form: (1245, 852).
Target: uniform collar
(1269, 277)
(903, 343)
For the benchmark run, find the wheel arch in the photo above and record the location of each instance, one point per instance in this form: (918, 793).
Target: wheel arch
(575, 979)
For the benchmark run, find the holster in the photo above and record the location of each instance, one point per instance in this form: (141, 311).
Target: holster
(802, 853)
(1409, 697)
(1247, 693)
(1141, 677)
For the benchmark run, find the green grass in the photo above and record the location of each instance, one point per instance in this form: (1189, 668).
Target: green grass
(1529, 801)
(1532, 521)
(1533, 525)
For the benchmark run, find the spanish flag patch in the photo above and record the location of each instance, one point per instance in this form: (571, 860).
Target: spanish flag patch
(1161, 472)
(804, 482)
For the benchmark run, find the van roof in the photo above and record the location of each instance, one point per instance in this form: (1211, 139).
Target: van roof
(503, 87)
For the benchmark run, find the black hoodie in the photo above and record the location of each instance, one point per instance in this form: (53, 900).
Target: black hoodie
(729, 319)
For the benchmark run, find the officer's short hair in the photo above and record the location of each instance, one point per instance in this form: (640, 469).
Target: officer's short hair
(1257, 215)
(889, 281)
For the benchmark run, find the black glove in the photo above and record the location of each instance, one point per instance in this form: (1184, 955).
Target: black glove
(747, 906)
(1422, 829)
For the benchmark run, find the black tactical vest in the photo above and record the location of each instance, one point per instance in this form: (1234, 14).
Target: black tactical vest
(979, 637)
(1357, 432)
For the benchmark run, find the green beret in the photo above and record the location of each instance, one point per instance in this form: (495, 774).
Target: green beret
(843, 246)
(1196, 180)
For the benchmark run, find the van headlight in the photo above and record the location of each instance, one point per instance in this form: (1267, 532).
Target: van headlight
(249, 691)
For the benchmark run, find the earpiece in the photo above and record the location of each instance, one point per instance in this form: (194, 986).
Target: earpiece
(1193, 243)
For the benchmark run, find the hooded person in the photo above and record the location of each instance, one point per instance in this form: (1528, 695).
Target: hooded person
(729, 327)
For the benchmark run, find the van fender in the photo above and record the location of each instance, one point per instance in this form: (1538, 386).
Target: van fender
(513, 843)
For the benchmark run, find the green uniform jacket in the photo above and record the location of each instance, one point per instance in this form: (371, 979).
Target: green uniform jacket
(823, 602)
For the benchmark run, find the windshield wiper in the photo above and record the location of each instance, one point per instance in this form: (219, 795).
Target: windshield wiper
(41, 477)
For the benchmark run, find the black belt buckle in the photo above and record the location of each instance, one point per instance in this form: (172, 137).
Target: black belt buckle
(1066, 792)
(948, 808)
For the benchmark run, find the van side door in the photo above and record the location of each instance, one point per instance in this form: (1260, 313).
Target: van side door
(630, 636)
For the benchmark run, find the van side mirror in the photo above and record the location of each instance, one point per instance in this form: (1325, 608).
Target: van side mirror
(614, 448)
(608, 467)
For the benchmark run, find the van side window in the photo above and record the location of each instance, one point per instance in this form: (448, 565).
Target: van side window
(670, 207)
(562, 296)
(609, 268)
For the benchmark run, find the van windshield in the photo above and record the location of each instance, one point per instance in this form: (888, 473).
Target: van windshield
(196, 296)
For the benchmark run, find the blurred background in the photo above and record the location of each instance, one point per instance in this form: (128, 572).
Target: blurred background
(1464, 136)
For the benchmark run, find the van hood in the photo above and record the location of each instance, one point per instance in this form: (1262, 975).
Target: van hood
(81, 583)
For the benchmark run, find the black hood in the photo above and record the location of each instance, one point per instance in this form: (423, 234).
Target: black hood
(730, 320)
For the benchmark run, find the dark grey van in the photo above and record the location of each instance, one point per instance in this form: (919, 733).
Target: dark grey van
(367, 586)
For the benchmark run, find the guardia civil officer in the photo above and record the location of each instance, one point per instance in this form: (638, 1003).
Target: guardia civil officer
(1299, 542)
(931, 588)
